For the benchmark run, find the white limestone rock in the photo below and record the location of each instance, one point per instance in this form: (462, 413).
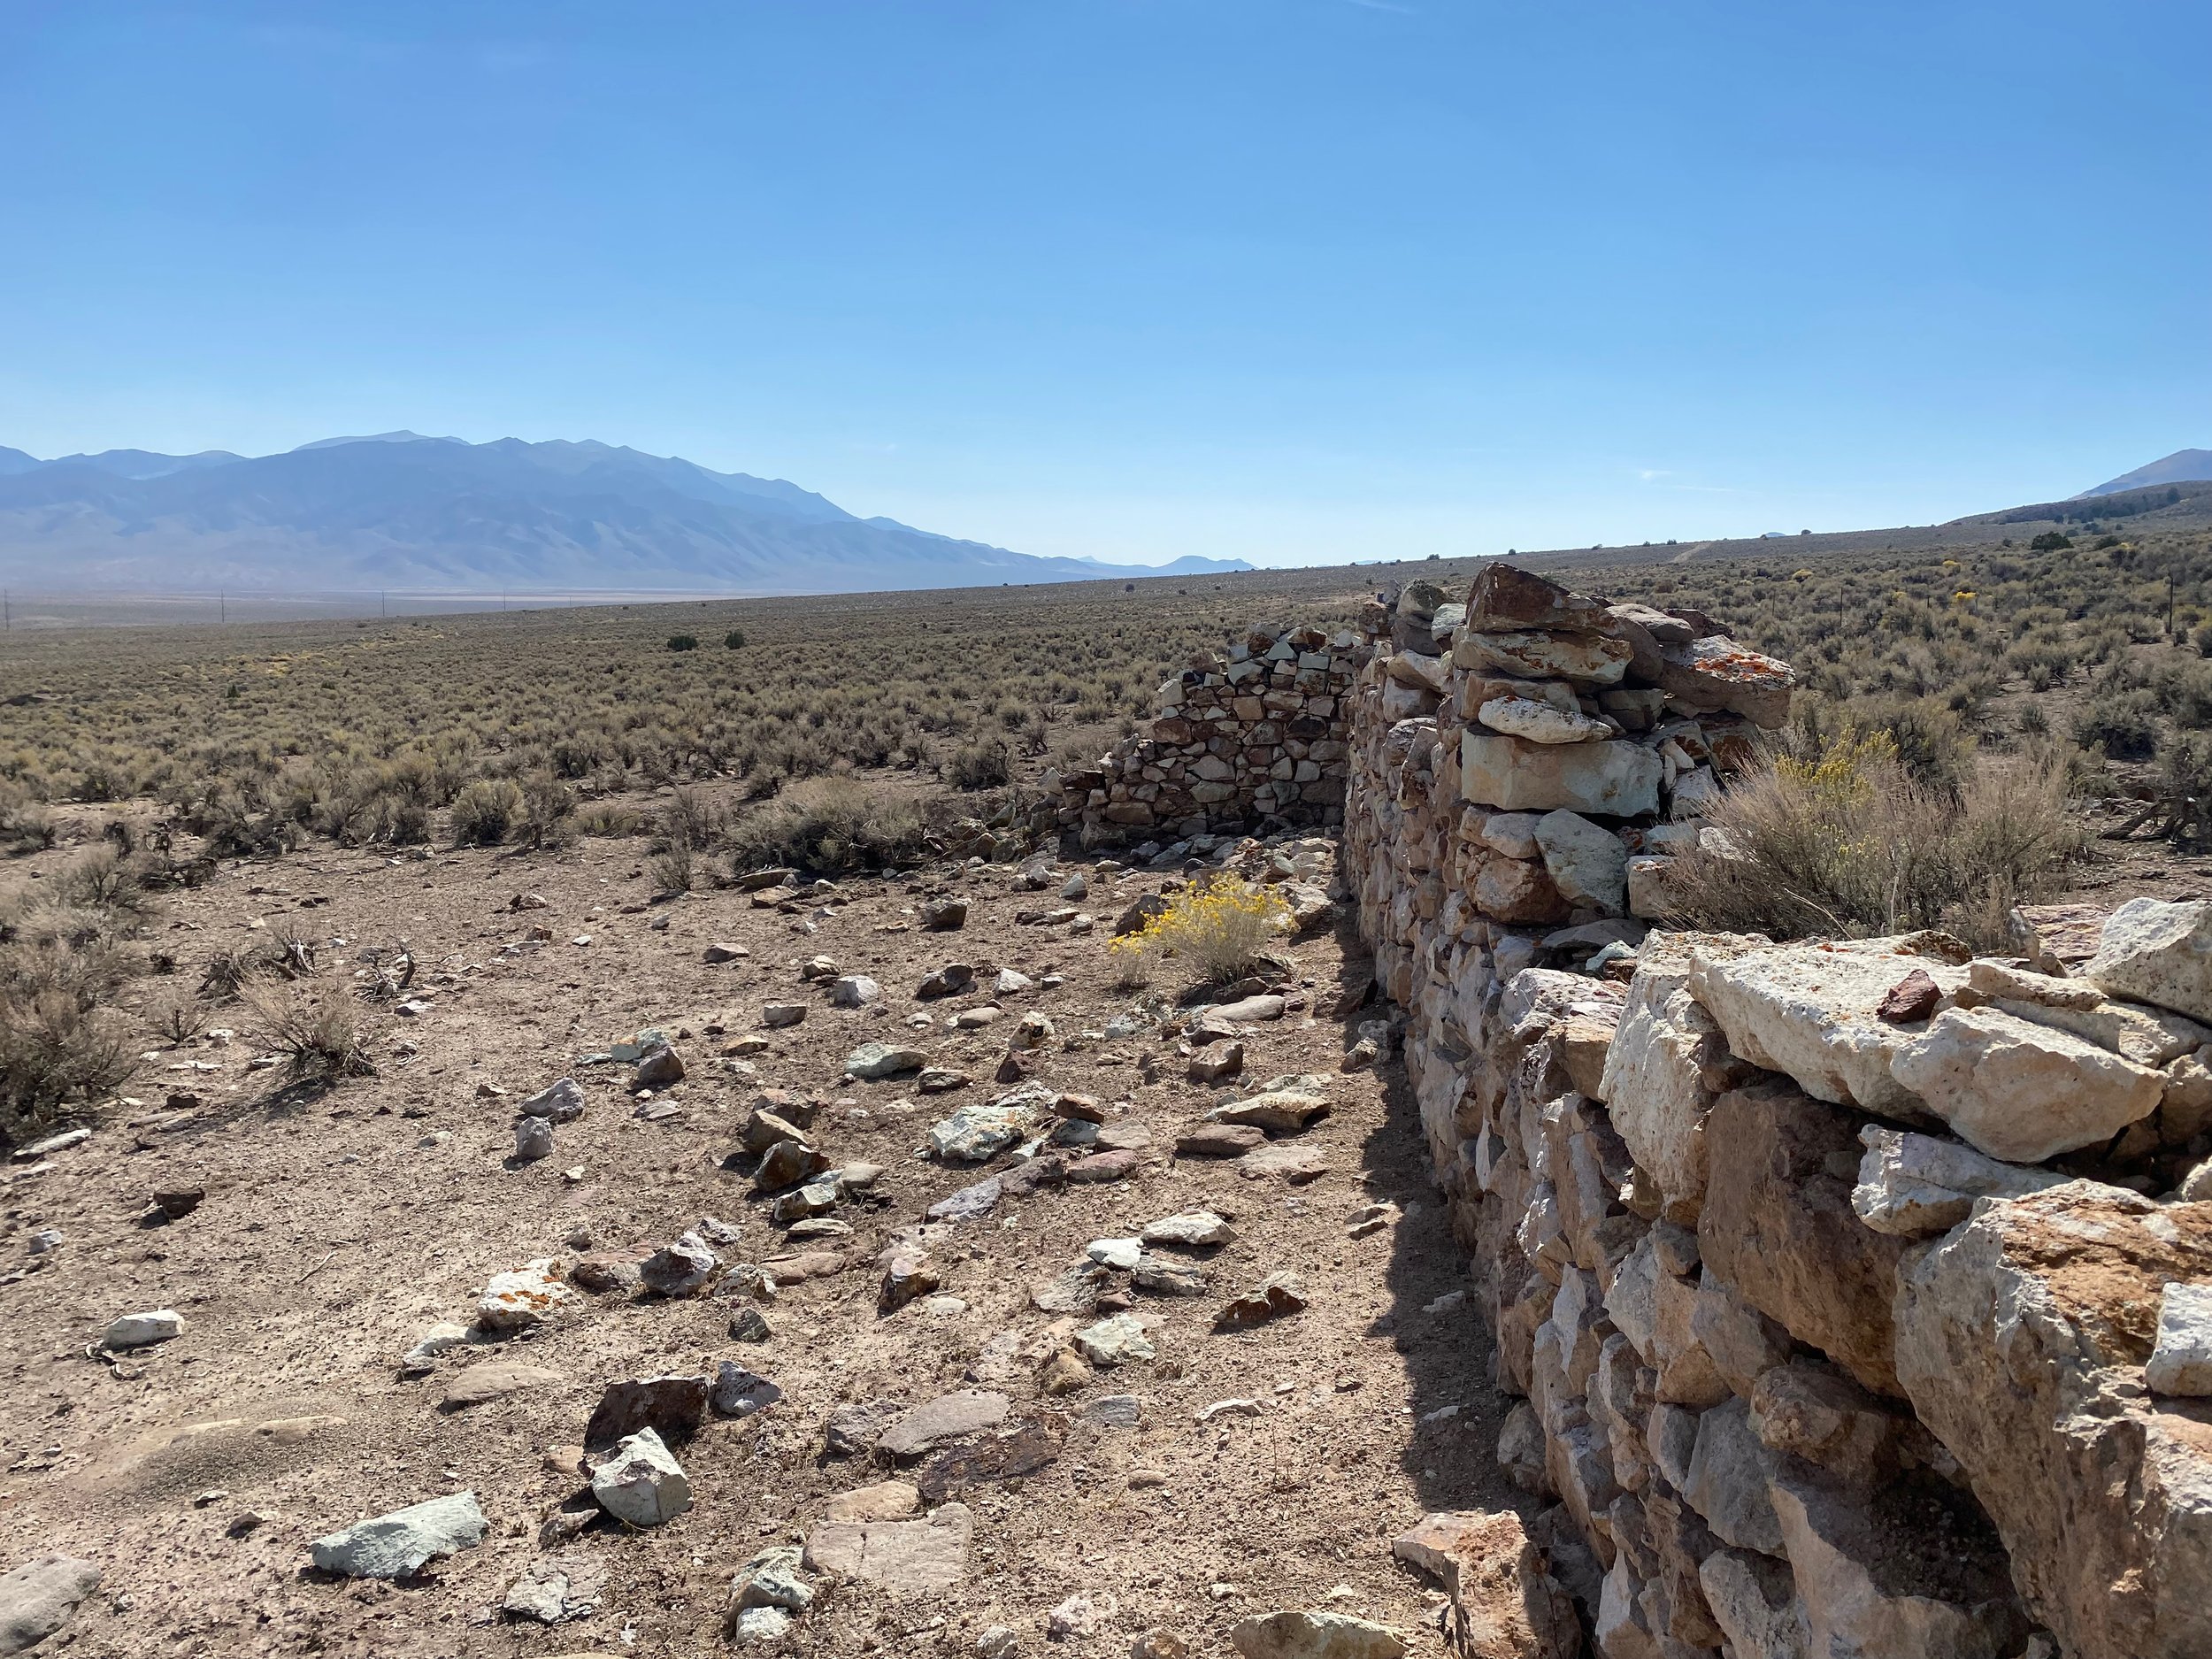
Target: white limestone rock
(1914, 1185)
(2158, 952)
(2020, 1091)
(1809, 1012)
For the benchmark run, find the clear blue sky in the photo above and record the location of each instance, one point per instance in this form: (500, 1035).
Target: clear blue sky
(1290, 280)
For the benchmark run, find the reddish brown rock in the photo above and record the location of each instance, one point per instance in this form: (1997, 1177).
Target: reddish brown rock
(1912, 998)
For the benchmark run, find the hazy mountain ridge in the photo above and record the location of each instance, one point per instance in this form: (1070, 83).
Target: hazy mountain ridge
(2183, 466)
(397, 510)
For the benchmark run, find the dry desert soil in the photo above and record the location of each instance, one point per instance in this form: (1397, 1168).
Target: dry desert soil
(340, 1222)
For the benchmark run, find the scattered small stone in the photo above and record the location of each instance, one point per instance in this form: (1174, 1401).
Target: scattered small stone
(1115, 1342)
(738, 1393)
(1063, 1373)
(855, 990)
(1159, 1644)
(557, 1588)
(1373, 1219)
(873, 1061)
(1229, 1407)
(439, 1339)
(1198, 1229)
(946, 1417)
(1079, 1108)
(1164, 1277)
(759, 1624)
(788, 1162)
(533, 1139)
(749, 1325)
(1105, 1166)
(770, 1580)
(1080, 1616)
(1010, 983)
(1116, 1253)
(908, 1274)
(1221, 1140)
(480, 1384)
(398, 1545)
(679, 1269)
(945, 916)
(174, 1204)
(1277, 1111)
(1113, 1411)
(560, 1102)
(660, 1067)
(1295, 1164)
(1217, 1064)
(601, 1274)
(954, 979)
(938, 1079)
(1033, 1033)
(921, 1557)
(776, 1015)
(1277, 1294)
(641, 1482)
(142, 1330)
(976, 1019)
(715, 954)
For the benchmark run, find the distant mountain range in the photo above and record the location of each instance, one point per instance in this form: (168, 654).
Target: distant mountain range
(399, 510)
(2183, 466)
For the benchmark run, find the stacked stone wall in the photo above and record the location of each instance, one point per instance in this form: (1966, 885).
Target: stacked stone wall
(1855, 1292)
(1248, 739)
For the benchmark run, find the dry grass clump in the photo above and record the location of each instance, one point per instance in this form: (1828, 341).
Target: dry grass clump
(175, 1013)
(1844, 841)
(1217, 930)
(833, 825)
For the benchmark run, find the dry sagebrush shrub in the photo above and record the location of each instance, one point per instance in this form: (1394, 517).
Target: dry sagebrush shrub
(487, 811)
(1845, 841)
(831, 825)
(315, 1024)
(1217, 930)
(62, 959)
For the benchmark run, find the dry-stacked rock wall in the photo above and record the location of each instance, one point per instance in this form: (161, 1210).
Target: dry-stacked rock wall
(1253, 736)
(1855, 1292)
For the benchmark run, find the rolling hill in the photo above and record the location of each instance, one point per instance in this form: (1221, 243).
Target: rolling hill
(401, 511)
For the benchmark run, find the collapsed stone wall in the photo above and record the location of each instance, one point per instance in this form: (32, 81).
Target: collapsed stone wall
(1250, 738)
(1857, 1294)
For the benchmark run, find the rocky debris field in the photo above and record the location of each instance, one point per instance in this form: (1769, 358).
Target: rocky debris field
(797, 1267)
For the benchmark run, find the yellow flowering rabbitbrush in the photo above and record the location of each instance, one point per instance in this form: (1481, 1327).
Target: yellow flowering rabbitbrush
(1217, 928)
